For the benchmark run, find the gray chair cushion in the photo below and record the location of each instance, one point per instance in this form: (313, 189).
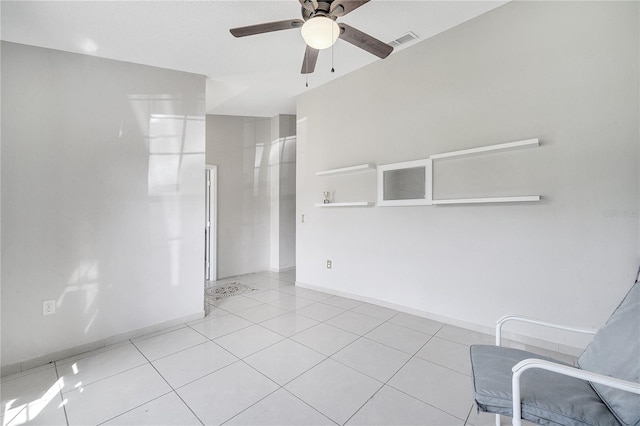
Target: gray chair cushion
(547, 398)
(615, 352)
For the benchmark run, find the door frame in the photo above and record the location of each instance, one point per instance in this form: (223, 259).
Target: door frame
(211, 223)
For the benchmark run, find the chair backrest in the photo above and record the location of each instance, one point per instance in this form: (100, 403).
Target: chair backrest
(615, 351)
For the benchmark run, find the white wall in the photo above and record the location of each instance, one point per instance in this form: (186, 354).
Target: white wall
(256, 192)
(564, 72)
(283, 192)
(102, 199)
(240, 147)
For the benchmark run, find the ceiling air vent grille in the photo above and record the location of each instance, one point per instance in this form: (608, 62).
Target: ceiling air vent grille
(410, 36)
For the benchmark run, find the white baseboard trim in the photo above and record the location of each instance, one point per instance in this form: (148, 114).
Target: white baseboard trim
(287, 269)
(19, 367)
(515, 337)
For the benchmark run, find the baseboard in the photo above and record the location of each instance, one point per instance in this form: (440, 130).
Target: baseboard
(19, 367)
(515, 337)
(287, 269)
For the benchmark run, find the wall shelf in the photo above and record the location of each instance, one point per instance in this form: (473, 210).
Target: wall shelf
(346, 170)
(519, 199)
(351, 204)
(528, 143)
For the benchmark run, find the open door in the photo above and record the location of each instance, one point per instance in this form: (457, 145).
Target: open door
(210, 231)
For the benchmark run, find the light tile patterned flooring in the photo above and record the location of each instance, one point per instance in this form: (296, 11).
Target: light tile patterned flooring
(282, 355)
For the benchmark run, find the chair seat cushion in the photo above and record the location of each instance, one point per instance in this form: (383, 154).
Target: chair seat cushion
(547, 398)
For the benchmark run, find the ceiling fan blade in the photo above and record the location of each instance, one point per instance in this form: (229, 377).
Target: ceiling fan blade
(310, 5)
(266, 28)
(309, 61)
(342, 7)
(364, 41)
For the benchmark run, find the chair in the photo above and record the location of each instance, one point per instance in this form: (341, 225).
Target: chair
(604, 388)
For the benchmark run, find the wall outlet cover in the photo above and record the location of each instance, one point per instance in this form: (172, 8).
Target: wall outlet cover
(48, 307)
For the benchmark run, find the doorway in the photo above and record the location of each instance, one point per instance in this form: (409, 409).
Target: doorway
(210, 230)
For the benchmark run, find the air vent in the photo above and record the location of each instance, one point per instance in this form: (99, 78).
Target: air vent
(410, 36)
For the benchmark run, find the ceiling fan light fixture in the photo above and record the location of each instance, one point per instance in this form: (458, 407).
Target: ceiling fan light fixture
(320, 32)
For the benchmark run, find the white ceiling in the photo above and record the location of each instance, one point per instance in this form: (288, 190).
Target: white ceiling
(253, 76)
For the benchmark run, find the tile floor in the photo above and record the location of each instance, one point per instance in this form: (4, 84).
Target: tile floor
(281, 355)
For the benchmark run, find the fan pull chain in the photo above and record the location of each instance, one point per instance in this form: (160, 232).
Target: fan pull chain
(306, 84)
(332, 69)
(332, 46)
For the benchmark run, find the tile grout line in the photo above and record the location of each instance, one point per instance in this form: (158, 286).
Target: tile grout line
(168, 384)
(352, 309)
(383, 383)
(412, 396)
(64, 405)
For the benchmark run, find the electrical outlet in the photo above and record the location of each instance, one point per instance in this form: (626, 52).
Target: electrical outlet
(329, 264)
(48, 307)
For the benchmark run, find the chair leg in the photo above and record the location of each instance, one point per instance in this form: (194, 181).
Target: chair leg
(497, 419)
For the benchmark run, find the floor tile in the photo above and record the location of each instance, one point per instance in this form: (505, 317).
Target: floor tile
(423, 325)
(392, 407)
(217, 327)
(288, 277)
(342, 302)
(169, 343)
(103, 400)
(371, 358)
(280, 409)
(486, 419)
(248, 340)
(261, 313)
(289, 324)
(167, 410)
(354, 322)
(320, 311)
(375, 311)
(32, 398)
(186, 366)
(219, 396)
(214, 312)
(440, 387)
(271, 283)
(291, 303)
(247, 279)
(464, 336)
(284, 361)
(447, 354)
(100, 365)
(399, 337)
(306, 293)
(236, 304)
(324, 338)
(334, 390)
(267, 296)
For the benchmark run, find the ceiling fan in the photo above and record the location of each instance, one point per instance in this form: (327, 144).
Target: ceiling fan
(320, 30)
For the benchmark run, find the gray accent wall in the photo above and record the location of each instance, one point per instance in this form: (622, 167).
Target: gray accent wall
(102, 200)
(564, 72)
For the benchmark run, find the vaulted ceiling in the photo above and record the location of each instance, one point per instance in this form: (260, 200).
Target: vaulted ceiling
(253, 76)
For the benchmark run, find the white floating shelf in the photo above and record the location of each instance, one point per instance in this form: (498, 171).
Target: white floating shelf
(522, 199)
(487, 149)
(351, 204)
(345, 170)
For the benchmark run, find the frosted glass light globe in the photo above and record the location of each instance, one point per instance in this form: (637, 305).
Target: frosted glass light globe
(320, 32)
